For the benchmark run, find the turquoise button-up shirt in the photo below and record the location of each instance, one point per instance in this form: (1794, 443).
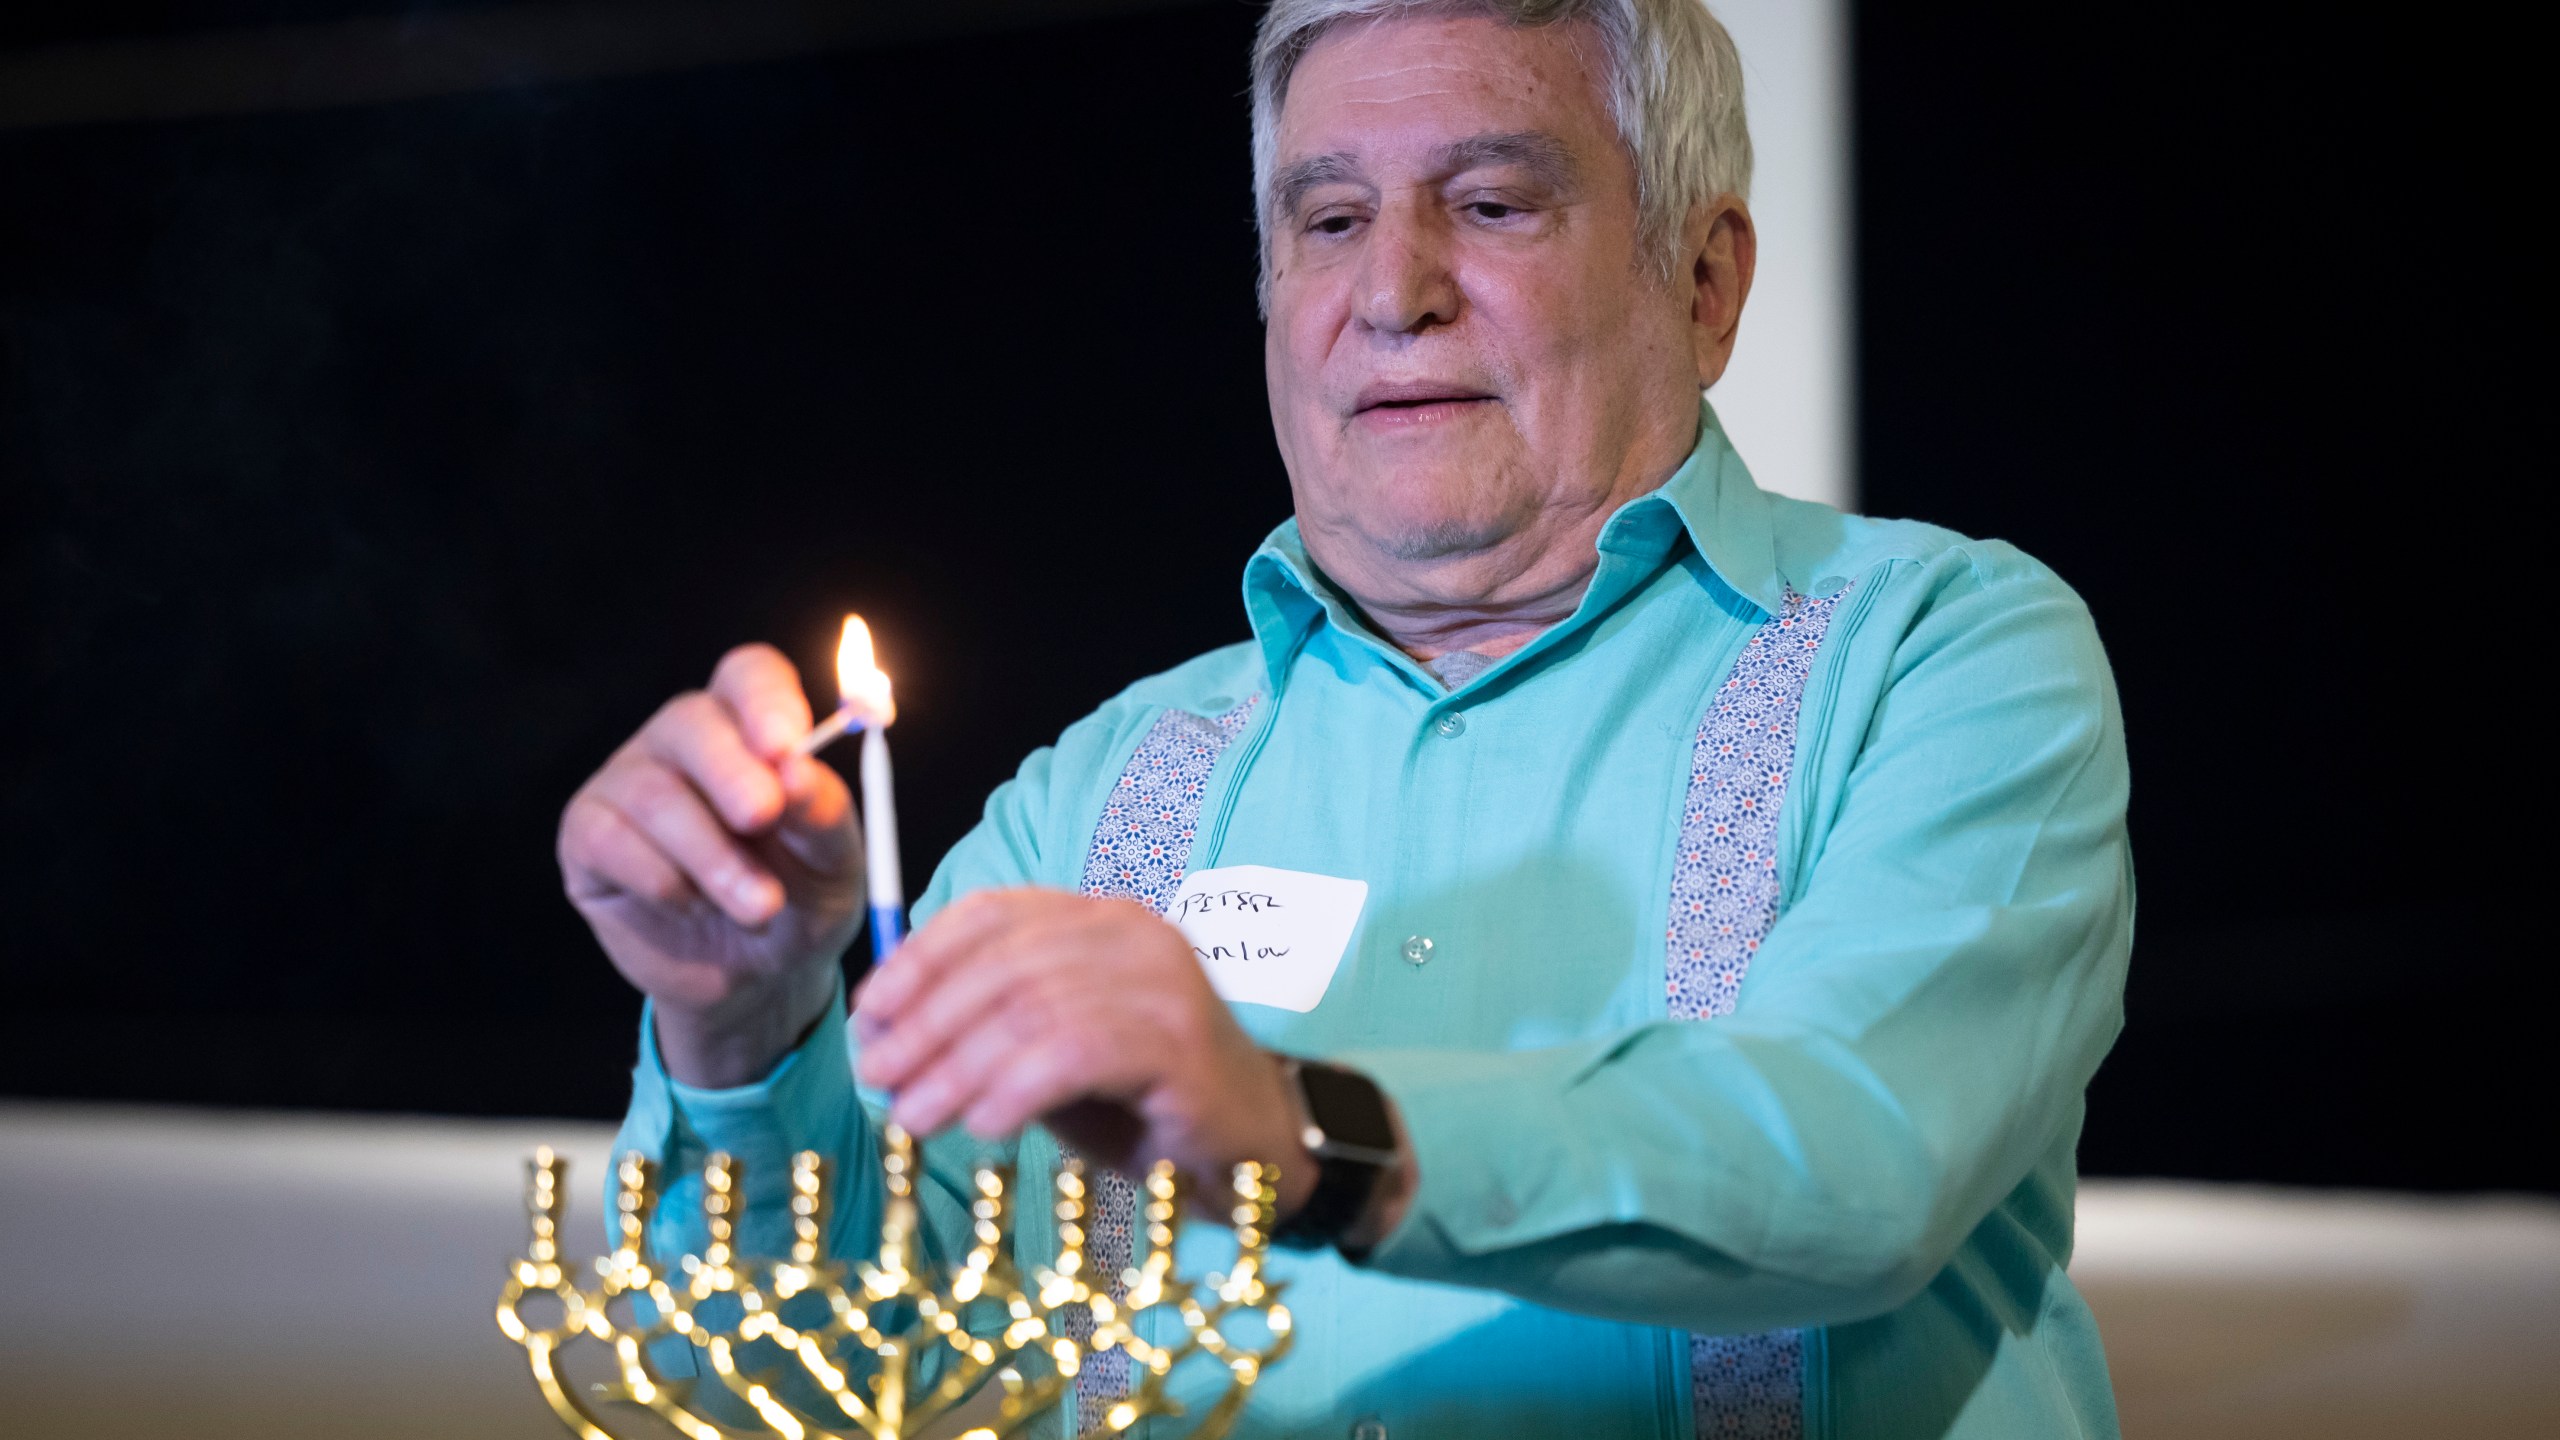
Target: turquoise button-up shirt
(1875, 1144)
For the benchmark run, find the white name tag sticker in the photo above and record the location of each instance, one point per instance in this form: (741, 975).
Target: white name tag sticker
(1266, 936)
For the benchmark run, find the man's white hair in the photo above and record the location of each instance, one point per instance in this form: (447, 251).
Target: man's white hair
(1674, 83)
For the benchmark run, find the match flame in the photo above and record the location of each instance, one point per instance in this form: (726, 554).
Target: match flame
(859, 680)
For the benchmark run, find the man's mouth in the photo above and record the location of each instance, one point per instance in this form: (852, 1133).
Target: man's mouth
(1414, 403)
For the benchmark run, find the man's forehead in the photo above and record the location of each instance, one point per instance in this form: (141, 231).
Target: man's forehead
(1412, 91)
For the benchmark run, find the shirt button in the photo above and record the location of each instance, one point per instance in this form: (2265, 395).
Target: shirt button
(1369, 1427)
(1451, 725)
(1417, 948)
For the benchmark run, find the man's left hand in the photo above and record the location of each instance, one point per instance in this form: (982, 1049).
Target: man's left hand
(1091, 1016)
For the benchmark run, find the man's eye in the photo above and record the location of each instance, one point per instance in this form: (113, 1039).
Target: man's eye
(1494, 209)
(1334, 225)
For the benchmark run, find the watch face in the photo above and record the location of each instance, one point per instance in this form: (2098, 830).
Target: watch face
(1346, 1107)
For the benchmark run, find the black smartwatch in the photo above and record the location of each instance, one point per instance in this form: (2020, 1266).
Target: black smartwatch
(1343, 1122)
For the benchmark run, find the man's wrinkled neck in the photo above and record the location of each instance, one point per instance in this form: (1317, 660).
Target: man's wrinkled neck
(1491, 599)
(1495, 595)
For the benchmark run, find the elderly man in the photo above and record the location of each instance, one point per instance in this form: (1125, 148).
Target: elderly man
(1712, 907)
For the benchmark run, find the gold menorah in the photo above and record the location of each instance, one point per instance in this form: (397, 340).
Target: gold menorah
(930, 1341)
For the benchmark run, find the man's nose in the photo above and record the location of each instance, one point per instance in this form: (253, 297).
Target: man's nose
(1407, 283)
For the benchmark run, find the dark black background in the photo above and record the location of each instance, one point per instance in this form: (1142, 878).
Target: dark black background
(369, 472)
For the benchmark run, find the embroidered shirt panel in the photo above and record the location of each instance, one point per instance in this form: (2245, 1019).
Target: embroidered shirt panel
(1141, 848)
(1724, 898)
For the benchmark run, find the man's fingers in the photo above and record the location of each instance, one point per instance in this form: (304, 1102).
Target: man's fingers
(954, 1077)
(603, 854)
(960, 928)
(1032, 1080)
(963, 997)
(658, 803)
(817, 817)
(698, 736)
(762, 689)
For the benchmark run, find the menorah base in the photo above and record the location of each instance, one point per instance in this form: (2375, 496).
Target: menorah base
(814, 1349)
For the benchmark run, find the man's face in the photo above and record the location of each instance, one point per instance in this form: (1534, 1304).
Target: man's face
(1464, 344)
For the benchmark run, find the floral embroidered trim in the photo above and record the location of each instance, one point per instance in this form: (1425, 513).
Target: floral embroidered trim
(1141, 848)
(1724, 898)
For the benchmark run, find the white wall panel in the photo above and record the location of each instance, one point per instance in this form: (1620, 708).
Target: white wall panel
(1787, 398)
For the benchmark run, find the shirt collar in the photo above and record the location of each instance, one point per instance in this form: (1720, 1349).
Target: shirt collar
(1711, 499)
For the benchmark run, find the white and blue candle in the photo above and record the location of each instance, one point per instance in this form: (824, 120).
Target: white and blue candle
(880, 845)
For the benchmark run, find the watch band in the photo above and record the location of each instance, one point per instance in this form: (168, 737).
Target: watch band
(1346, 1175)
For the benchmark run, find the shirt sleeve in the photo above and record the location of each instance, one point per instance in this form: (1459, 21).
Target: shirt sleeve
(1915, 1032)
(808, 1102)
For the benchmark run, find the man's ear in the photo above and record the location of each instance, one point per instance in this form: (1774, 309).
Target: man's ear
(1720, 249)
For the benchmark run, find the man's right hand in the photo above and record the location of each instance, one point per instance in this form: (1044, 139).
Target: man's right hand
(721, 872)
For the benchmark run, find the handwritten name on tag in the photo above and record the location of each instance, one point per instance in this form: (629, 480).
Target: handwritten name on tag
(1267, 936)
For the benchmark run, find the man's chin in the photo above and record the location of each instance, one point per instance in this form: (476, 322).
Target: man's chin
(1440, 532)
(1423, 502)
(1442, 542)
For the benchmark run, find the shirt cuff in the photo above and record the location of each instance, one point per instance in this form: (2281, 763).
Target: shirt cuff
(1466, 1116)
(803, 1098)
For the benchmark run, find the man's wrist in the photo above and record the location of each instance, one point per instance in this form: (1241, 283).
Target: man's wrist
(1297, 1163)
(741, 1040)
(1388, 1203)
(1362, 1173)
